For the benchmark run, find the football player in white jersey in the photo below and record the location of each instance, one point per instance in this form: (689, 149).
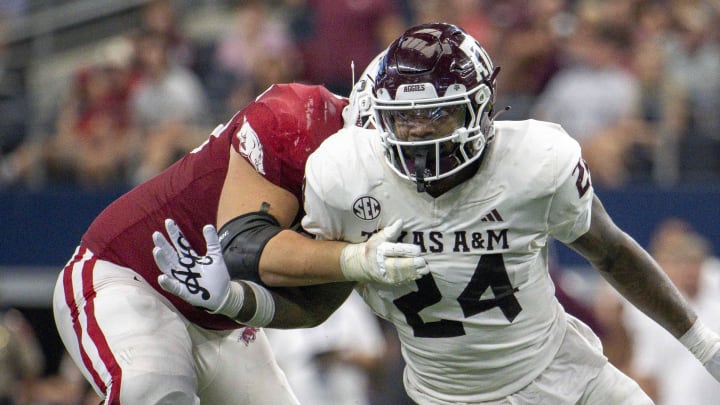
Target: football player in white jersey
(482, 199)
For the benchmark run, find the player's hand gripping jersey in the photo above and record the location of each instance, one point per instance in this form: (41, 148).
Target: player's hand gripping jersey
(485, 321)
(264, 133)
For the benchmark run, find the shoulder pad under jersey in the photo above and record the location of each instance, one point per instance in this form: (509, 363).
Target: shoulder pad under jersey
(283, 126)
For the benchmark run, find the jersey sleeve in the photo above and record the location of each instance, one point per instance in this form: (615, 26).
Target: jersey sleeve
(278, 131)
(321, 219)
(570, 209)
(335, 175)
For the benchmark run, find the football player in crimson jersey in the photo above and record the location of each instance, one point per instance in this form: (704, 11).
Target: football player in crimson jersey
(137, 343)
(482, 199)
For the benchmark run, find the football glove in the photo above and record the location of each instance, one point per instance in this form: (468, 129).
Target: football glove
(202, 281)
(380, 260)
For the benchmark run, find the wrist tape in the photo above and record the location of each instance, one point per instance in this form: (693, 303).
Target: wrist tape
(233, 301)
(264, 306)
(701, 341)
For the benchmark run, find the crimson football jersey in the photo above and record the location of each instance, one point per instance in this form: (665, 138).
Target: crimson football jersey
(275, 134)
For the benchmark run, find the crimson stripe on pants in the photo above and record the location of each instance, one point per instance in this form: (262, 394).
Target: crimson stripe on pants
(93, 329)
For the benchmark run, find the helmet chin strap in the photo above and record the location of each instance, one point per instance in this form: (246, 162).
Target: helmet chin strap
(420, 155)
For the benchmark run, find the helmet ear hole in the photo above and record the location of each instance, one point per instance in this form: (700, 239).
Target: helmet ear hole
(482, 95)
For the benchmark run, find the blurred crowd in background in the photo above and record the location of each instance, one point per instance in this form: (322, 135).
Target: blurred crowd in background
(636, 82)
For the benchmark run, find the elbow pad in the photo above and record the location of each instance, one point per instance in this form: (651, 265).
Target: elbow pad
(243, 239)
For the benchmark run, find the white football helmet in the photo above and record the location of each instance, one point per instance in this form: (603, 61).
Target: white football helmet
(358, 112)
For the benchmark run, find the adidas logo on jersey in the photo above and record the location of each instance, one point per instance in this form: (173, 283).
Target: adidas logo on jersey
(492, 216)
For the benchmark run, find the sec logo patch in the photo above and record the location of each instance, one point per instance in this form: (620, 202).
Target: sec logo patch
(366, 208)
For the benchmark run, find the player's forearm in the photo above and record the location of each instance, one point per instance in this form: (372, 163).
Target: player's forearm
(300, 307)
(291, 259)
(633, 272)
(636, 275)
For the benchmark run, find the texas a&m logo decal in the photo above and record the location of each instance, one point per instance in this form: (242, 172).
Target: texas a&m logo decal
(366, 208)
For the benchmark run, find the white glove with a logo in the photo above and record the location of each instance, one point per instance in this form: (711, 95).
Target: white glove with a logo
(202, 281)
(379, 260)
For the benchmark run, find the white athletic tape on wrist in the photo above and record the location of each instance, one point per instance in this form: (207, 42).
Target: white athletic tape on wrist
(264, 306)
(233, 301)
(348, 262)
(701, 341)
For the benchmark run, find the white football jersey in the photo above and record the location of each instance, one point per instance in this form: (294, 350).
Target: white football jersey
(485, 322)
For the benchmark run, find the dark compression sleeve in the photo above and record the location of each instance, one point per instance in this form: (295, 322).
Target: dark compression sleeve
(243, 240)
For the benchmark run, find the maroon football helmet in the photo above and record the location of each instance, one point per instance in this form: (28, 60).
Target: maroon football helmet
(435, 78)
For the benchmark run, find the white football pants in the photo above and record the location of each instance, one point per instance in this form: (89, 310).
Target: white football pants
(134, 347)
